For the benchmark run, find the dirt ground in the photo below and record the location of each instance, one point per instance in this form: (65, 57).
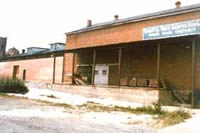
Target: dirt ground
(19, 115)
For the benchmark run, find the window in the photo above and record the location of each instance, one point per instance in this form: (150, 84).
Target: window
(104, 72)
(96, 72)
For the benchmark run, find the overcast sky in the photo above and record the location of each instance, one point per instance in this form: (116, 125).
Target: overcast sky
(37, 23)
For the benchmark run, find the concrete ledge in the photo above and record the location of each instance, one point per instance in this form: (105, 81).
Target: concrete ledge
(137, 95)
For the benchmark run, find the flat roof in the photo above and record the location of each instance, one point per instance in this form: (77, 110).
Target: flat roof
(59, 43)
(44, 54)
(164, 13)
(37, 48)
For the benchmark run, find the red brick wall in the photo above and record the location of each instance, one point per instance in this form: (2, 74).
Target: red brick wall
(123, 33)
(58, 69)
(139, 61)
(40, 70)
(68, 68)
(176, 65)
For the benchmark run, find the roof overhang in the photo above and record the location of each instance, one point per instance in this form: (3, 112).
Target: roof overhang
(162, 41)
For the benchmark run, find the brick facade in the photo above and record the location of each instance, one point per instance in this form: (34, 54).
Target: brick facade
(122, 33)
(37, 70)
(131, 32)
(68, 68)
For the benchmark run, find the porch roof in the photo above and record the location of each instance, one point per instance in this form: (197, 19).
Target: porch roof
(188, 38)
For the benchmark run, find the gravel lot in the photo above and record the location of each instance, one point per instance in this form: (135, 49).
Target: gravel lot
(18, 115)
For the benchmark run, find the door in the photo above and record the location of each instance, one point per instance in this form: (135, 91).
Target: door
(101, 74)
(16, 72)
(113, 75)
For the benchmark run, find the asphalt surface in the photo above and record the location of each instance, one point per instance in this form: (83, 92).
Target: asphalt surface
(26, 116)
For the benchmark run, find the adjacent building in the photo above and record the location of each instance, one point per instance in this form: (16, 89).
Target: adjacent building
(57, 46)
(35, 65)
(12, 52)
(2, 46)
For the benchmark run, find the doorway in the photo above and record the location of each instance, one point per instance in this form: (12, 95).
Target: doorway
(16, 72)
(101, 74)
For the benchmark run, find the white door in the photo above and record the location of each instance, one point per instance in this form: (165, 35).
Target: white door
(101, 74)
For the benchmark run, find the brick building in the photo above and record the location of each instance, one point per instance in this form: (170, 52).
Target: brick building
(2, 46)
(35, 65)
(156, 50)
(140, 59)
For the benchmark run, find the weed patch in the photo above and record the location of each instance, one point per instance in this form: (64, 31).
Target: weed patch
(3, 95)
(8, 85)
(50, 96)
(172, 118)
(56, 104)
(91, 106)
(166, 118)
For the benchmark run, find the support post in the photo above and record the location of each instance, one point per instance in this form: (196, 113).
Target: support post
(63, 69)
(93, 66)
(54, 68)
(193, 69)
(119, 65)
(158, 65)
(73, 65)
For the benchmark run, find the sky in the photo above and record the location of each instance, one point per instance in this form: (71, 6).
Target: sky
(37, 23)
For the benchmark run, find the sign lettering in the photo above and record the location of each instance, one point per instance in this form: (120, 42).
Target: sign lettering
(172, 30)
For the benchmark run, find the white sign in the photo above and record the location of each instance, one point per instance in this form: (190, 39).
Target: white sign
(171, 30)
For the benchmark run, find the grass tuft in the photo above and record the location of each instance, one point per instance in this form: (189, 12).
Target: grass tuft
(52, 96)
(172, 118)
